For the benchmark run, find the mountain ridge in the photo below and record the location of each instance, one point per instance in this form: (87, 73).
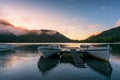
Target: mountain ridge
(110, 35)
(11, 33)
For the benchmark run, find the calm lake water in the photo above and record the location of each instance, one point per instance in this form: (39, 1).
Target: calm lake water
(25, 63)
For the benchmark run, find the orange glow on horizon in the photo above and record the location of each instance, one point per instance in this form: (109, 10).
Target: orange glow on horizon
(13, 23)
(96, 33)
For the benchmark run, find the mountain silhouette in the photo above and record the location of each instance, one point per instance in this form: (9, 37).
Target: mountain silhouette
(111, 35)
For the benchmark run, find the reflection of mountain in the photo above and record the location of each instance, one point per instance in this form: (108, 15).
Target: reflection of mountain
(27, 48)
(11, 33)
(115, 49)
(104, 68)
(45, 65)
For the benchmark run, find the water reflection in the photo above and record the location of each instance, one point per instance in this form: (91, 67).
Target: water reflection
(115, 48)
(21, 54)
(4, 58)
(67, 58)
(101, 67)
(26, 64)
(27, 48)
(48, 64)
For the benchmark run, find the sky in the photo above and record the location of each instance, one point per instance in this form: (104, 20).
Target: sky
(76, 19)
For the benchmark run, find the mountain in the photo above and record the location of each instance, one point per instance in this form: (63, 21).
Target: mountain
(111, 35)
(11, 33)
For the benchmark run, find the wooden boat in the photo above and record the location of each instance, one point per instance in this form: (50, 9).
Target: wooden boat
(49, 50)
(4, 47)
(97, 52)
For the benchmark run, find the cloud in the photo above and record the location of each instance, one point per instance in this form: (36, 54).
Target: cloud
(6, 27)
(9, 29)
(92, 26)
(117, 23)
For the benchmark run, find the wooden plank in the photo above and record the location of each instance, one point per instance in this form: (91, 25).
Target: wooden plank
(77, 59)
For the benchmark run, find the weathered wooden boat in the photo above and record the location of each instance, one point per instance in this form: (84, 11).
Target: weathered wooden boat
(49, 50)
(102, 53)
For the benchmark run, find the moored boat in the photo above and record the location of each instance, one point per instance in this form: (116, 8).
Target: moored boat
(4, 47)
(49, 50)
(102, 53)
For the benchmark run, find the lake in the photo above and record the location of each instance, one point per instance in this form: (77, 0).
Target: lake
(25, 63)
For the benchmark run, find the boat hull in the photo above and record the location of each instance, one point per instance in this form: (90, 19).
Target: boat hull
(48, 52)
(6, 48)
(102, 54)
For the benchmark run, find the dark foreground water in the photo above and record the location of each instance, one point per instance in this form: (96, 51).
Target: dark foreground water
(25, 63)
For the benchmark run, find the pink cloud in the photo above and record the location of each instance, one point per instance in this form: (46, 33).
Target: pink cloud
(92, 26)
(10, 29)
(96, 33)
(117, 23)
(6, 27)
